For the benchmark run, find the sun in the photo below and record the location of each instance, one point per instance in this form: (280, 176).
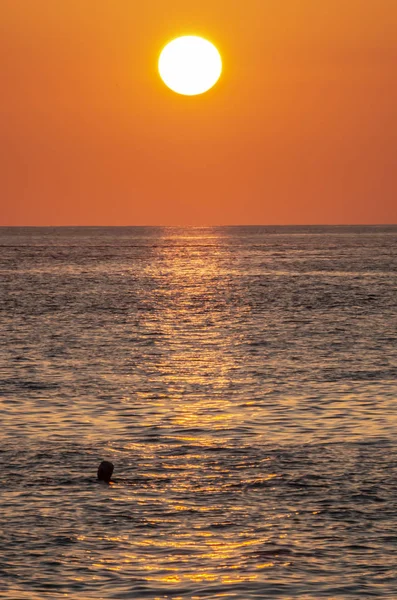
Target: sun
(190, 65)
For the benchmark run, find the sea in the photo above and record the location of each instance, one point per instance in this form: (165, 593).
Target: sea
(243, 381)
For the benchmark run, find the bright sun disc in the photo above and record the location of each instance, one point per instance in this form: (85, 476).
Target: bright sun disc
(190, 65)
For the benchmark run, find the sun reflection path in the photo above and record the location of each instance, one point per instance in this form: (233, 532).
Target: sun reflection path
(194, 323)
(215, 560)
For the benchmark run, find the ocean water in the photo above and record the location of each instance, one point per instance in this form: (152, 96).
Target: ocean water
(243, 382)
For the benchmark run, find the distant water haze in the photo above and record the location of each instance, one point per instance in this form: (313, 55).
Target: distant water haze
(243, 382)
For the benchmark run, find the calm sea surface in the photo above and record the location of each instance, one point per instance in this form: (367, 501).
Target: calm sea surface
(243, 382)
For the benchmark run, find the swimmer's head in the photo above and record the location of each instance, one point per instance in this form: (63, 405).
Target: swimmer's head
(105, 471)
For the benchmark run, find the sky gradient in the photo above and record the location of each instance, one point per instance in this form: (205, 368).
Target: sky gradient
(301, 128)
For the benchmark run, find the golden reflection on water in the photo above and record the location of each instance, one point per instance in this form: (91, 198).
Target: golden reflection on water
(222, 562)
(195, 346)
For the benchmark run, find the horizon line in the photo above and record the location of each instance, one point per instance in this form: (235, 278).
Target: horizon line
(201, 226)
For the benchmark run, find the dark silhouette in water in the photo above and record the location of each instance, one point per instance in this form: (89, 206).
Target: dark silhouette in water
(105, 471)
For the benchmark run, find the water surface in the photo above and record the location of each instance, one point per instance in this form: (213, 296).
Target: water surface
(242, 380)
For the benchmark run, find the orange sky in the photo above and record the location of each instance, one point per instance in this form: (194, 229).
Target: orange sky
(302, 127)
